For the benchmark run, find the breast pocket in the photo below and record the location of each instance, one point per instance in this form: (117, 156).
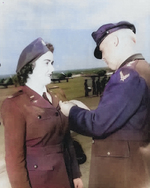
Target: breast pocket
(35, 113)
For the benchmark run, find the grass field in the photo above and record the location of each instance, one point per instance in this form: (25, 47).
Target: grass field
(73, 89)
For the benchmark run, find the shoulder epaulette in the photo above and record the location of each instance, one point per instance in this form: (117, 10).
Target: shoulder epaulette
(20, 92)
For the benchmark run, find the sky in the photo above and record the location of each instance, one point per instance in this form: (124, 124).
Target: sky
(68, 25)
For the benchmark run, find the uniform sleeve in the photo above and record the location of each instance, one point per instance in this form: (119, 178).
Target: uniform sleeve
(14, 126)
(74, 166)
(121, 99)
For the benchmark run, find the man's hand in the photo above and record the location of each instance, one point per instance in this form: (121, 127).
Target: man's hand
(78, 183)
(80, 104)
(65, 107)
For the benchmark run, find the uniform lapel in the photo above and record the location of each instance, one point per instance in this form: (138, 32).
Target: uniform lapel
(36, 99)
(55, 100)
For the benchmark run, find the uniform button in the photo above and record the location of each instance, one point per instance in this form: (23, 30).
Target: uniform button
(56, 113)
(39, 116)
(35, 166)
(108, 153)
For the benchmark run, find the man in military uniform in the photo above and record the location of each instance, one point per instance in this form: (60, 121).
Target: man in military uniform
(119, 125)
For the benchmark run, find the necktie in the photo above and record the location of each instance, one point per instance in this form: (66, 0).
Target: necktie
(45, 97)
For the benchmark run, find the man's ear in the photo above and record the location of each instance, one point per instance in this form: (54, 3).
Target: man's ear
(115, 40)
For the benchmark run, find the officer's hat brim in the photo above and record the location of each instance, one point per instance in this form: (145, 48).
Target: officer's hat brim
(97, 53)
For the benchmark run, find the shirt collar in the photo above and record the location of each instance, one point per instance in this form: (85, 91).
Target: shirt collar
(134, 57)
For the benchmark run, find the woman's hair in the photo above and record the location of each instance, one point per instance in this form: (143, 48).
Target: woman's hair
(23, 74)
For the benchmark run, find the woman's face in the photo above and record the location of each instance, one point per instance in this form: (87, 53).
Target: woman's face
(43, 69)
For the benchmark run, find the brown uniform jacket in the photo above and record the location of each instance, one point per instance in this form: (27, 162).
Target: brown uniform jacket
(39, 150)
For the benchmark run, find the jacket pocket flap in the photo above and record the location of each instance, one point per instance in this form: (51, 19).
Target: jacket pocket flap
(102, 148)
(40, 163)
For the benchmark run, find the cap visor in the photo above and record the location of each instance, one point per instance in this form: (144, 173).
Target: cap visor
(97, 53)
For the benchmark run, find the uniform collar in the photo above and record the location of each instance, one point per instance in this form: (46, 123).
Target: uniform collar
(35, 98)
(134, 57)
(35, 89)
(55, 99)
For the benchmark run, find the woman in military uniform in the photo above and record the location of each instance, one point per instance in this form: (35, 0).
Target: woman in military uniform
(39, 149)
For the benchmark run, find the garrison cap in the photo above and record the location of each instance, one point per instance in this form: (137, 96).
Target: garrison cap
(107, 29)
(32, 52)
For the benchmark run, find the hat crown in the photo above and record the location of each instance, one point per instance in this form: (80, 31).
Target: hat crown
(107, 29)
(31, 52)
(104, 29)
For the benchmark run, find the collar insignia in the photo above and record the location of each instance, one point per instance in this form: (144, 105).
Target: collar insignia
(31, 97)
(130, 63)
